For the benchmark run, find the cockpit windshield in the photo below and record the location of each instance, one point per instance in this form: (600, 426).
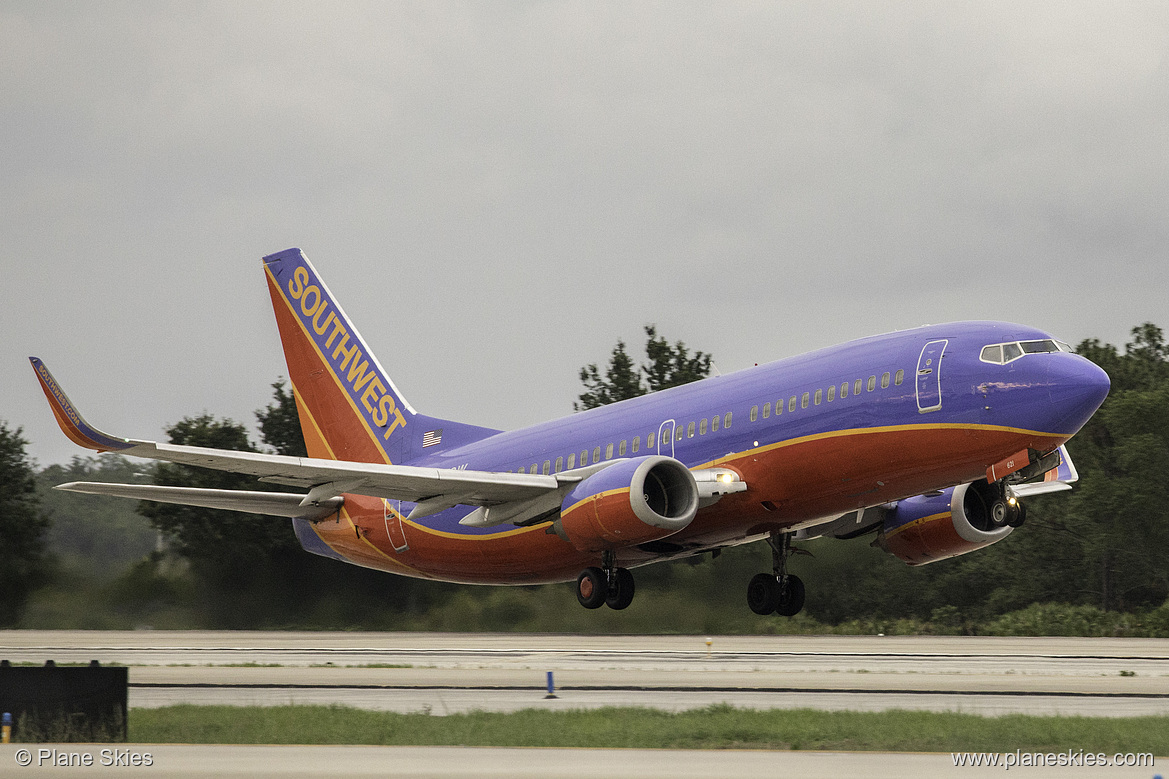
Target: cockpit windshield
(1000, 354)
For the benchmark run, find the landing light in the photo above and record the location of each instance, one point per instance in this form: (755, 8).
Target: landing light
(726, 478)
(1012, 500)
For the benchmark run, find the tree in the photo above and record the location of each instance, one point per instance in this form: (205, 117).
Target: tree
(667, 366)
(250, 570)
(211, 538)
(671, 366)
(23, 561)
(95, 534)
(280, 423)
(1106, 543)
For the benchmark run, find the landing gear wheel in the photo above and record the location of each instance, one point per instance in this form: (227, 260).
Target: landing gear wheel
(763, 594)
(791, 596)
(591, 587)
(999, 512)
(621, 593)
(1020, 515)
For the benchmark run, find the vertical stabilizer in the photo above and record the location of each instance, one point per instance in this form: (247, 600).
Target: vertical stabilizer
(349, 409)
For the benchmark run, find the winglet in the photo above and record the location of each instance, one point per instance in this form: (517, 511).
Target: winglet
(72, 423)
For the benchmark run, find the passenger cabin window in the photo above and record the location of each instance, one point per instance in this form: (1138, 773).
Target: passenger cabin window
(872, 383)
(754, 413)
(649, 440)
(779, 407)
(856, 387)
(681, 432)
(584, 458)
(804, 399)
(844, 390)
(714, 424)
(547, 467)
(899, 377)
(690, 430)
(727, 420)
(791, 403)
(819, 397)
(636, 443)
(596, 454)
(766, 410)
(832, 393)
(609, 452)
(559, 464)
(885, 380)
(572, 461)
(702, 426)
(532, 470)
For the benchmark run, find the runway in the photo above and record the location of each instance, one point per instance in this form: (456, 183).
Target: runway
(451, 673)
(258, 762)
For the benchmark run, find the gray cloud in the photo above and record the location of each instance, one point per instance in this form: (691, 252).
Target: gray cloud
(498, 193)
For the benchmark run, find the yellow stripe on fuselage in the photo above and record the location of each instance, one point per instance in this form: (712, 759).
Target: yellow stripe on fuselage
(917, 523)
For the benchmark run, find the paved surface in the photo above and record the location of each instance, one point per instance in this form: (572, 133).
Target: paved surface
(445, 673)
(455, 762)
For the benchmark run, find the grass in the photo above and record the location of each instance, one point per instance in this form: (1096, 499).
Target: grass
(713, 727)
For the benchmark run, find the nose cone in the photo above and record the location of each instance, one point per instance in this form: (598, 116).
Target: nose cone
(1076, 388)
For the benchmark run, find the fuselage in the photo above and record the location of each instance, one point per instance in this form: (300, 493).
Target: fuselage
(815, 436)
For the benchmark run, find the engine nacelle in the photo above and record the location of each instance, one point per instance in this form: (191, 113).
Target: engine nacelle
(630, 502)
(925, 529)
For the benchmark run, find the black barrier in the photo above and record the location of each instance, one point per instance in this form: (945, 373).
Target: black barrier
(65, 703)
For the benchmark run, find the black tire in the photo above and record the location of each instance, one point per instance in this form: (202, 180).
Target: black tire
(591, 588)
(1019, 517)
(622, 594)
(763, 594)
(791, 596)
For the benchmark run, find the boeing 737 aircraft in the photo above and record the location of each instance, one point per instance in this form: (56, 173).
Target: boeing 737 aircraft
(926, 438)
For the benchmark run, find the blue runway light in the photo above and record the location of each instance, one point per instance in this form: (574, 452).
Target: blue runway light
(551, 687)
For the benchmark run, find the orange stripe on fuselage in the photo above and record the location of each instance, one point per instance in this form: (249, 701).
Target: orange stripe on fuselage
(817, 476)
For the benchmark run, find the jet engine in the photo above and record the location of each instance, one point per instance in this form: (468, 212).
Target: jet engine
(928, 528)
(630, 502)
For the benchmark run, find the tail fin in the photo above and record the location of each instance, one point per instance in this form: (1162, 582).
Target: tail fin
(349, 409)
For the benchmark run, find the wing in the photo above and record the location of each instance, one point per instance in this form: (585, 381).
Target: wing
(433, 489)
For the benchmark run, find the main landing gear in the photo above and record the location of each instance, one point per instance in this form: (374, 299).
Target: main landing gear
(998, 505)
(778, 592)
(606, 586)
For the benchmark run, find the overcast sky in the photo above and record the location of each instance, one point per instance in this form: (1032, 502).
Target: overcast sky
(497, 192)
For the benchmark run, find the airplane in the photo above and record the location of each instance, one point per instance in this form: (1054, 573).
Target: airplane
(927, 438)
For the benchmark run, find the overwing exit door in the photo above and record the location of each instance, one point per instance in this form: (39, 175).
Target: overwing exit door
(666, 434)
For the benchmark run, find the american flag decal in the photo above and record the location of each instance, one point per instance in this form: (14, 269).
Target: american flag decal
(432, 438)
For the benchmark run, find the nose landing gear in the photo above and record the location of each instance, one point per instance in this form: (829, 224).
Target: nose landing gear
(609, 586)
(778, 592)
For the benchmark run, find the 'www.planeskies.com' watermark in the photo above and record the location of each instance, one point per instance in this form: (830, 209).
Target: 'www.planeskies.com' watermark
(1069, 759)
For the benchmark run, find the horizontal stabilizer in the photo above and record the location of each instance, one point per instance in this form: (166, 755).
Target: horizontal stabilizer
(276, 504)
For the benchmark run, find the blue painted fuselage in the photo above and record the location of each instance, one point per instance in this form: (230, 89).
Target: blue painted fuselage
(814, 436)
